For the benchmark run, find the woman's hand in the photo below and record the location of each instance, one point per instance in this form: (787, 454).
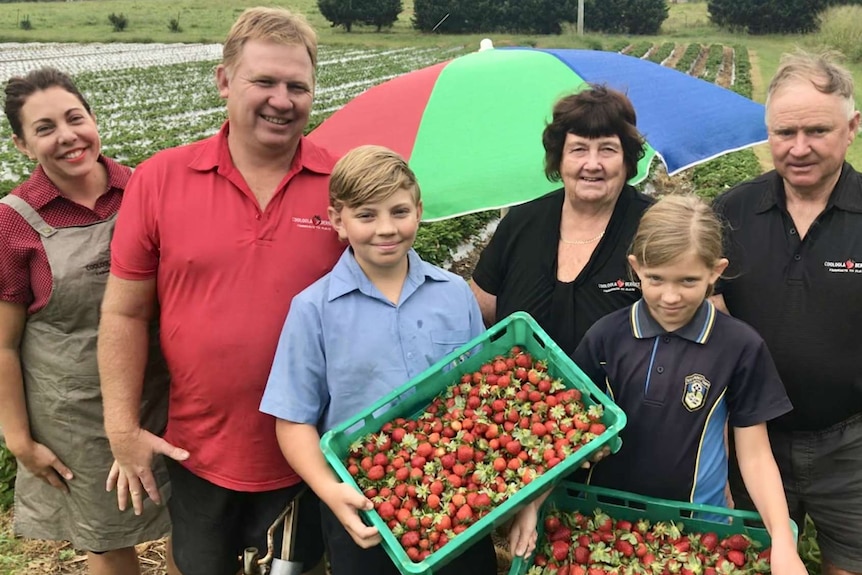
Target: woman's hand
(523, 535)
(345, 503)
(44, 464)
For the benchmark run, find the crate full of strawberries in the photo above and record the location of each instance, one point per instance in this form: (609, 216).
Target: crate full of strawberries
(462, 447)
(588, 530)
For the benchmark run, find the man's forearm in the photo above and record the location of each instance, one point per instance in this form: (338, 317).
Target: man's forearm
(122, 356)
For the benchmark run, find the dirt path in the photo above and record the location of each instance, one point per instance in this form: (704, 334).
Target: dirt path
(725, 72)
(700, 62)
(674, 57)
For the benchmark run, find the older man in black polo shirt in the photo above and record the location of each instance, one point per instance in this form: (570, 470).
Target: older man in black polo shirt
(795, 251)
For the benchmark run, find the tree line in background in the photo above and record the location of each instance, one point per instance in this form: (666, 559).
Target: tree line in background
(771, 16)
(549, 16)
(516, 16)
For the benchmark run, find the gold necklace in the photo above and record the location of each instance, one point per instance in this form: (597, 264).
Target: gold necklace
(582, 242)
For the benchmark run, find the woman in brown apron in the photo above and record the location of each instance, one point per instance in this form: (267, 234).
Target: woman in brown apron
(55, 234)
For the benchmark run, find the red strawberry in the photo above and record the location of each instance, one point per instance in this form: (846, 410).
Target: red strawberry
(582, 555)
(464, 514)
(386, 511)
(465, 453)
(410, 539)
(561, 534)
(737, 542)
(736, 557)
(624, 547)
(709, 541)
(376, 473)
(551, 524)
(560, 550)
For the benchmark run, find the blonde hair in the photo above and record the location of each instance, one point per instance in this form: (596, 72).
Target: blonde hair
(821, 70)
(675, 225)
(276, 25)
(369, 174)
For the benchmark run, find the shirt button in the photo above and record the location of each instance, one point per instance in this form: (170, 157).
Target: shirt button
(660, 369)
(409, 356)
(797, 257)
(257, 216)
(666, 339)
(792, 231)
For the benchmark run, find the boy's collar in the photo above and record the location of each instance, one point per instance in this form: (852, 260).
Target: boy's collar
(348, 276)
(698, 330)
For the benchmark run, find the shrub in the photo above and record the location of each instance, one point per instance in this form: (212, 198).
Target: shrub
(625, 16)
(118, 21)
(767, 16)
(382, 13)
(346, 13)
(25, 23)
(645, 16)
(523, 16)
(841, 29)
(174, 24)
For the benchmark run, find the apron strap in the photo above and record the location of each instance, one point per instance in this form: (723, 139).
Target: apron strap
(30, 215)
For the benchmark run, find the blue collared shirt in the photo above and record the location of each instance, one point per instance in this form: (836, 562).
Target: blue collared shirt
(344, 346)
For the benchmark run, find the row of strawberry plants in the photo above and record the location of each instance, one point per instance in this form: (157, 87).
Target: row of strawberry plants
(689, 57)
(742, 71)
(661, 53)
(714, 60)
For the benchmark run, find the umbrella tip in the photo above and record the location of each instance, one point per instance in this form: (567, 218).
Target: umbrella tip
(486, 44)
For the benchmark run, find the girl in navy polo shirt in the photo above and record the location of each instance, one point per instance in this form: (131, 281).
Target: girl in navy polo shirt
(682, 371)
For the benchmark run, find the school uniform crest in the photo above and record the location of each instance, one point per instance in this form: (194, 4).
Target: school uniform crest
(696, 389)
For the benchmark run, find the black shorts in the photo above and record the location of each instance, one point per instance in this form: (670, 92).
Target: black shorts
(348, 558)
(213, 525)
(822, 476)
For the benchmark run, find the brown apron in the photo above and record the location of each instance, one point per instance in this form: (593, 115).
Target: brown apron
(64, 400)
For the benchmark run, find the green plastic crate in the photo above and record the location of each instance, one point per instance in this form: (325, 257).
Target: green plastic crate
(412, 398)
(569, 496)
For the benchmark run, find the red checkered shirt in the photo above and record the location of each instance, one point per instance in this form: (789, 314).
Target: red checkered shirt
(25, 276)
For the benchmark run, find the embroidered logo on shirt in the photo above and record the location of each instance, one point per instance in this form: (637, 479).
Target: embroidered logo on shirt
(848, 266)
(619, 285)
(315, 222)
(696, 388)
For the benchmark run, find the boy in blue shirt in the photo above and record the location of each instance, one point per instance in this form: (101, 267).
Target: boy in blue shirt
(381, 317)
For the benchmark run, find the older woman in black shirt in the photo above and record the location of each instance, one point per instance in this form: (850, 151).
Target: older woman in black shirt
(562, 257)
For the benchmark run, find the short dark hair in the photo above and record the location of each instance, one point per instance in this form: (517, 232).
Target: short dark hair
(596, 112)
(20, 88)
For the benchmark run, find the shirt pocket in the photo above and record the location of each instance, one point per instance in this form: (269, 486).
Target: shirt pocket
(445, 341)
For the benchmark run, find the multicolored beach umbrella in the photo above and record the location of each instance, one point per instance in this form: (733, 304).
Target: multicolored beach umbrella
(471, 127)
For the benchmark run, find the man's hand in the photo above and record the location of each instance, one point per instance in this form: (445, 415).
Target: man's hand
(785, 560)
(345, 503)
(44, 464)
(132, 472)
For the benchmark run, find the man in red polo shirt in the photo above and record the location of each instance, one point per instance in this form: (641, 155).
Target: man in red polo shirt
(219, 236)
